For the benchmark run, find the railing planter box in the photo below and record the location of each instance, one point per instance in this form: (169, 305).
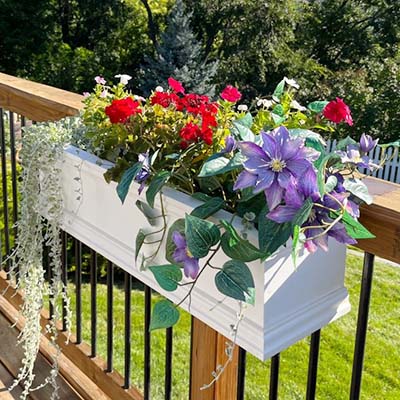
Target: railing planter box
(291, 302)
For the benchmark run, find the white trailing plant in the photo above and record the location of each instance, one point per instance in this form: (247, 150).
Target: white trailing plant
(38, 226)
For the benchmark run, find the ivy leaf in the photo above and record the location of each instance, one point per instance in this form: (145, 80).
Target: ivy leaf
(347, 141)
(246, 121)
(209, 208)
(200, 235)
(156, 185)
(140, 237)
(164, 315)
(213, 165)
(167, 276)
(353, 228)
(201, 196)
(278, 110)
(127, 177)
(278, 92)
(330, 183)
(271, 235)
(236, 247)
(358, 188)
(242, 132)
(179, 226)
(277, 118)
(235, 280)
(148, 212)
(322, 164)
(317, 106)
(303, 214)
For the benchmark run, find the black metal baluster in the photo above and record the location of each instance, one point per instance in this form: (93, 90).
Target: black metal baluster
(128, 310)
(13, 172)
(64, 244)
(274, 377)
(241, 374)
(110, 315)
(78, 284)
(362, 325)
(4, 186)
(50, 277)
(313, 365)
(147, 341)
(93, 301)
(168, 362)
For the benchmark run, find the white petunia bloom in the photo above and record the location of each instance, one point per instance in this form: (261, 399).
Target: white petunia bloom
(139, 98)
(123, 78)
(291, 82)
(264, 103)
(297, 106)
(159, 89)
(242, 107)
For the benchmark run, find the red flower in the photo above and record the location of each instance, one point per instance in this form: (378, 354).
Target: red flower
(190, 132)
(231, 94)
(176, 86)
(193, 102)
(164, 99)
(120, 110)
(338, 111)
(208, 120)
(207, 136)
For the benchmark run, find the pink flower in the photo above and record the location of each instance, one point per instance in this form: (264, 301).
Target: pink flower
(86, 94)
(338, 111)
(231, 94)
(176, 86)
(100, 80)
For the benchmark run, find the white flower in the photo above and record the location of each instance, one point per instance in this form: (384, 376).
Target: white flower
(291, 82)
(139, 98)
(242, 107)
(159, 89)
(100, 80)
(264, 103)
(294, 104)
(123, 78)
(104, 93)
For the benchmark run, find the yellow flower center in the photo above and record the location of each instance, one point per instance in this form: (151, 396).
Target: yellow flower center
(188, 253)
(277, 165)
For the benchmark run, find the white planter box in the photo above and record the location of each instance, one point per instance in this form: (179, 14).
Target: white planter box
(291, 303)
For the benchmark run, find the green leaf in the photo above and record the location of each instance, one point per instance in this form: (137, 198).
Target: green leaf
(358, 188)
(156, 185)
(347, 141)
(140, 237)
(246, 121)
(164, 315)
(353, 228)
(209, 208)
(317, 106)
(277, 118)
(303, 214)
(242, 132)
(167, 276)
(201, 196)
(278, 110)
(278, 92)
(148, 212)
(271, 235)
(330, 183)
(179, 226)
(235, 280)
(322, 164)
(209, 184)
(213, 166)
(236, 247)
(307, 134)
(127, 177)
(297, 243)
(200, 235)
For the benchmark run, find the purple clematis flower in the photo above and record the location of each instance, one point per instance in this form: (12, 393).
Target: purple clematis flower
(230, 144)
(367, 143)
(144, 173)
(183, 255)
(353, 156)
(276, 166)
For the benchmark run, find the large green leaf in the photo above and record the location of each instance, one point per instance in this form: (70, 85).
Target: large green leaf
(358, 188)
(247, 120)
(347, 141)
(148, 212)
(164, 315)
(235, 280)
(278, 92)
(298, 243)
(353, 228)
(140, 237)
(242, 132)
(209, 208)
(303, 214)
(236, 247)
(213, 166)
(167, 276)
(177, 226)
(156, 185)
(271, 235)
(317, 106)
(127, 177)
(200, 235)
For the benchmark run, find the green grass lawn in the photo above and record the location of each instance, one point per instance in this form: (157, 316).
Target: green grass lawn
(381, 379)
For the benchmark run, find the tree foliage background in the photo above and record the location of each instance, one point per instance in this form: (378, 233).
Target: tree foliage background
(346, 48)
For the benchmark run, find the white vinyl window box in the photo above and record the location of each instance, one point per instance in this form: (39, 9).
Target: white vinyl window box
(290, 302)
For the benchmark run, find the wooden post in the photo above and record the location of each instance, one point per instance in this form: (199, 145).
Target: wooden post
(208, 351)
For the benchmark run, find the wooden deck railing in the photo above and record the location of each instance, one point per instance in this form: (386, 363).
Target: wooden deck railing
(42, 103)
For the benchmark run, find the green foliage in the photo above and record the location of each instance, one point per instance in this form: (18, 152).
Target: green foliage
(156, 185)
(127, 177)
(163, 315)
(209, 208)
(167, 276)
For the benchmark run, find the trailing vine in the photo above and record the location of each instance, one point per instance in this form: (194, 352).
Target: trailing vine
(38, 226)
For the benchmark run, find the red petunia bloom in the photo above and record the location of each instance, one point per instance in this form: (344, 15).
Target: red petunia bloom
(231, 94)
(207, 136)
(193, 102)
(176, 86)
(190, 132)
(338, 111)
(120, 110)
(164, 99)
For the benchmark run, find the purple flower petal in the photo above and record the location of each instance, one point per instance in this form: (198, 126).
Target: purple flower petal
(298, 166)
(284, 178)
(308, 183)
(269, 145)
(281, 135)
(291, 148)
(255, 163)
(339, 233)
(294, 197)
(273, 195)
(245, 180)
(179, 240)
(265, 181)
(250, 149)
(282, 214)
(191, 267)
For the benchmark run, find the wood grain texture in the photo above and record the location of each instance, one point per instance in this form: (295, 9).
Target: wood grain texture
(6, 380)
(36, 101)
(93, 368)
(382, 218)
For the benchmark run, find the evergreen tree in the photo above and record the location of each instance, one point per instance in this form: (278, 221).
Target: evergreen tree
(180, 55)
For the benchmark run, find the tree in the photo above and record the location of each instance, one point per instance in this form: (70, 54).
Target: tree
(179, 54)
